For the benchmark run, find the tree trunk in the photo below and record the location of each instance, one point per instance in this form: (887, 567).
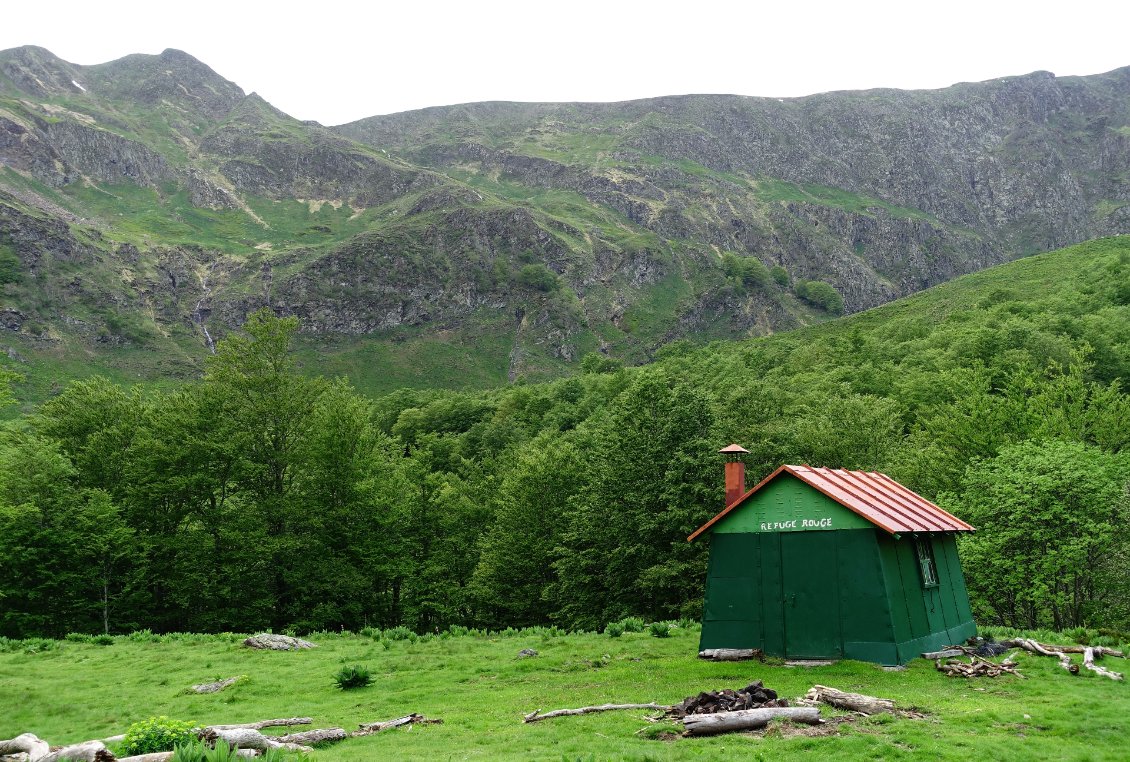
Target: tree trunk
(855, 702)
(746, 719)
(1089, 663)
(311, 737)
(91, 751)
(536, 715)
(27, 743)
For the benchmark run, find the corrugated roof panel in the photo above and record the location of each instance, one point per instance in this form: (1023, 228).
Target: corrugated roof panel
(874, 496)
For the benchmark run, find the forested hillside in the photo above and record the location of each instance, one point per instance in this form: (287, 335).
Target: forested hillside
(261, 497)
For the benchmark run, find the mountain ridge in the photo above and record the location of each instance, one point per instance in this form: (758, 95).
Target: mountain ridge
(526, 234)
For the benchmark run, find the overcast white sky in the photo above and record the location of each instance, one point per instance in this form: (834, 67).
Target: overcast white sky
(340, 61)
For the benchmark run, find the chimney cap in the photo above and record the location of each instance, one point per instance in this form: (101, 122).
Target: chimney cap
(733, 449)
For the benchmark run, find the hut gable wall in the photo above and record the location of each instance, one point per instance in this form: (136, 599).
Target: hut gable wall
(787, 504)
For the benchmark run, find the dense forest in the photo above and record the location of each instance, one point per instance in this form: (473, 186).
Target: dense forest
(263, 495)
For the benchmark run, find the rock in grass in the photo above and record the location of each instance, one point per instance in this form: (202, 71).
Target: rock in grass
(271, 642)
(525, 653)
(217, 686)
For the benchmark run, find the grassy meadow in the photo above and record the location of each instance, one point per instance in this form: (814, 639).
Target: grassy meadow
(68, 691)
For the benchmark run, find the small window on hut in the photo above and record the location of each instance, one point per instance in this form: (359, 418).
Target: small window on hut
(926, 563)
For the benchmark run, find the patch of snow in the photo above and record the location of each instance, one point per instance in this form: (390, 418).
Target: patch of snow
(76, 84)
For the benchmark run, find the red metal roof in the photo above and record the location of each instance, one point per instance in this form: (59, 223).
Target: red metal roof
(874, 496)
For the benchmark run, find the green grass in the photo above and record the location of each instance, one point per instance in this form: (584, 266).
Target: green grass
(771, 189)
(144, 216)
(480, 689)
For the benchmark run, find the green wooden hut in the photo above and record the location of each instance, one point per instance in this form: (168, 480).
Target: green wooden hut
(820, 563)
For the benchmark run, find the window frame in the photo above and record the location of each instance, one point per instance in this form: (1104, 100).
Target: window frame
(927, 566)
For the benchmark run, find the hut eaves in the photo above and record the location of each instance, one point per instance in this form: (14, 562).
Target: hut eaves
(874, 496)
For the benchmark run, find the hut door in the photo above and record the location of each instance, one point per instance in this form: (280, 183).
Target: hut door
(811, 603)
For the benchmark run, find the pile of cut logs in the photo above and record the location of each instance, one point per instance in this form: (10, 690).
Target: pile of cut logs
(753, 696)
(981, 667)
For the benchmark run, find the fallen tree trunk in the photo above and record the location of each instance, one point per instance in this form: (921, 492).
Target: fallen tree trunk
(1039, 648)
(26, 743)
(370, 728)
(746, 719)
(536, 715)
(1089, 663)
(311, 737)
(249, 738)
(855, 702)
(1099, 651)
(945, 653)
(730, 654)
(280, 723)
(157, 756)
(90, 751)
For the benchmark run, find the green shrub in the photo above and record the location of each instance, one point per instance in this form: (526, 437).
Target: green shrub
(780, 275)
(538, 276)
(371, 632)
(659, 630)
(198, 751)
(822, 295)
(102, 640)
(614, 629)
(633, 624)
(353, 677)
(78, 637)
(157, 734)
(400, 632)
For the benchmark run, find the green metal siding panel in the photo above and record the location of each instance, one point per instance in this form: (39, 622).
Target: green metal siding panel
(912, 588)
(865, 612)
(812, 596)
(772, 595)
(947, 594)
(896, 600)
(956, 579)
(732, 607)
(789, 505)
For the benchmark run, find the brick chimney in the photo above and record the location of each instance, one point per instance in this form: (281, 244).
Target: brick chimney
(735, 472)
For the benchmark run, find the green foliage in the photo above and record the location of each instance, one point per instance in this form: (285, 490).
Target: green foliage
(157, 734)
(659, 630)
(745, 272)
(822, 295)
(614, 629)
(1053, 537)
(596, 363)
(198, 751)
(779, 275)
(538, 276)
(356, 676)
(632, 624)
(11, 269)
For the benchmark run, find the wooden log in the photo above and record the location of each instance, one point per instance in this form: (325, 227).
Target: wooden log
(311, 737)
(728, 654)
(855, 702)
(536, 715)
(944, 653)
(1089, 663)
(369, 728)
(746, 719)
(90, 751)
(157, 756)
(1100, 651)
(26, 743)
(279, 723)
(249, 738)
(1039, 648)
